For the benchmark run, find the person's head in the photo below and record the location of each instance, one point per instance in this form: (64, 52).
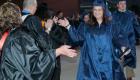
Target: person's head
(76, 16)
(42, 10)
(50, 14)
(10, 16)
(30, 5)
(121, 5)
(85, 17)
(98, 13)
(59, 14)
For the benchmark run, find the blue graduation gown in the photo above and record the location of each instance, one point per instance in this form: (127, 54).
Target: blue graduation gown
(126, 22)
(97, 60)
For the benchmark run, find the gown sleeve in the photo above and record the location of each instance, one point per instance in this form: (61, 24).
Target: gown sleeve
(77, 34)
(118, 37)
(136, 26)
(25, 61)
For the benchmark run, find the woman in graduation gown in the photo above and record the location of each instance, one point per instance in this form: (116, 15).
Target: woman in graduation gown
(97, 60)
(24, 57)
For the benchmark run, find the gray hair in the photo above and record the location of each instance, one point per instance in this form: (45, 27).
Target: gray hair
(28, 3)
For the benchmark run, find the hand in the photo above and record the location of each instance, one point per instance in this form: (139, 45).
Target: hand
(127, 51)
(55, 19)
(123, 49)
(66, 51)
(48, 25)
(63, 23)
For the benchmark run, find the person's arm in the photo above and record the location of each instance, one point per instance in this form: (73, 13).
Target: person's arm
(136, 26)
(120, 40)
(118, 36)
(76, 34)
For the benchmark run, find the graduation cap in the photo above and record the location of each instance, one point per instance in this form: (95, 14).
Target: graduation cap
(120, 0)
(99, 3)
(102, 3)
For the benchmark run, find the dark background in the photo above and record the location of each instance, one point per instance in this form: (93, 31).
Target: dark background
(71, 6)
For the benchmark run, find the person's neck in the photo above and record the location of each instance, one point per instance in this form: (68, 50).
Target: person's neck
(99, 21)
(28, 10)
(120, 10)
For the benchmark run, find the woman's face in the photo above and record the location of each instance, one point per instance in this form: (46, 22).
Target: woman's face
(98, 12)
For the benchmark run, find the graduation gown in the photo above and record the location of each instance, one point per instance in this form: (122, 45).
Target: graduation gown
(23, 59)
(127, 22)
(97, 58)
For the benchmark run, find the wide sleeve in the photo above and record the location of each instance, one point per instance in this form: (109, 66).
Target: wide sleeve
(118, 37)
(26, 61)
(78, 34)
(33, 23)
(136, 26)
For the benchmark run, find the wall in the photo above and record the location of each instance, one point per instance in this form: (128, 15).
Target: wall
(67, 6)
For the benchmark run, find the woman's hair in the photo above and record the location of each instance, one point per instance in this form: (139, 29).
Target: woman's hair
(93, 20)
(10, 17)
(41, 11)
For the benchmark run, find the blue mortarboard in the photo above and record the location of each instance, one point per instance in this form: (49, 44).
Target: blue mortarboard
(102, 3)
(120, 0)
(99, 3)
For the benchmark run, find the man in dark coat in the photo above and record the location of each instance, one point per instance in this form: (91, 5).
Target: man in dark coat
(126, 22)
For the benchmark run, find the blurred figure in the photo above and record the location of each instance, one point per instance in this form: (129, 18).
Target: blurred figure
(23, 56)
(58, 36)
(42, 11)
(85, 17)
(75, 20)
(59, 14)
(126, 22)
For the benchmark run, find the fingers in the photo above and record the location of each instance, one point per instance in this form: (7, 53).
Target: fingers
(68, 52)
(71, 54)
(55, 19)
(67, 46)
(123, 49)
(126, 53)
(63, 22)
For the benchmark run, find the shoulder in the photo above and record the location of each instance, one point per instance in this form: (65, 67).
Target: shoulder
(32, 18)
(131, 13)
(18, 34)
(115, 12)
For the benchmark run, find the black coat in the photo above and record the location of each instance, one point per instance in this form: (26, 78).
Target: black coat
(33, 24)
(23, 58)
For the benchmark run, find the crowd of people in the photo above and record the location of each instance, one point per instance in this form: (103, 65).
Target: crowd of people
(33, 39)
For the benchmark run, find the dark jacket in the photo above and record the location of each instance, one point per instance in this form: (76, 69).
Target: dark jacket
(126, 22)
(23, 58)
(33, 24)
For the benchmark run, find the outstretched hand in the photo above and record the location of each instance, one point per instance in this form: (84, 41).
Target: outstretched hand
(63, 22)
(66, 51)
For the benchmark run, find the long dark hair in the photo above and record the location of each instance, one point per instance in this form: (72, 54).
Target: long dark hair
(93, 20)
